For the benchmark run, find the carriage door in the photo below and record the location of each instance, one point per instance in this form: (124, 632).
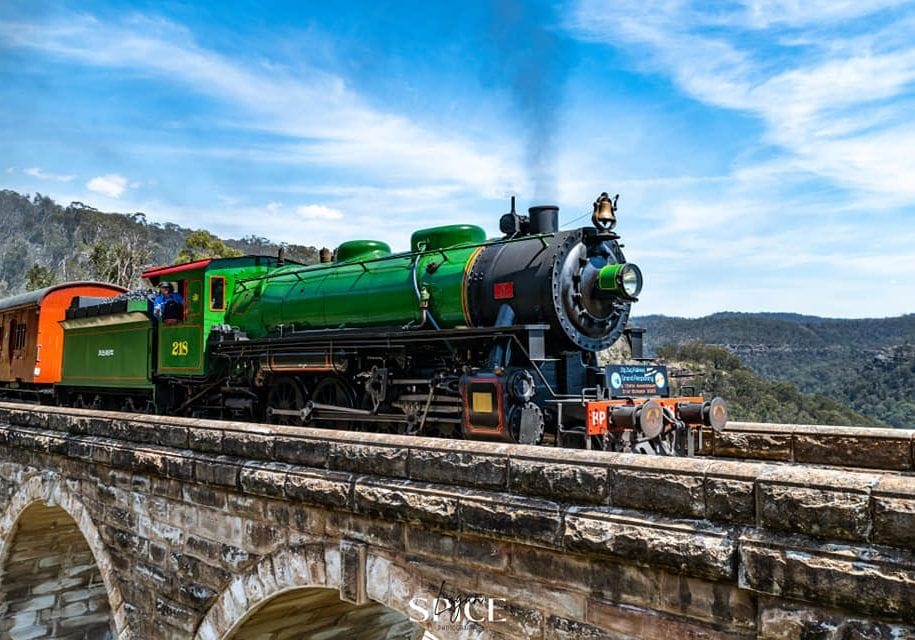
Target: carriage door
(181, 344)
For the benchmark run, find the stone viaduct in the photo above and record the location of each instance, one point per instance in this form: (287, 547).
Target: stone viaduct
(125, 526)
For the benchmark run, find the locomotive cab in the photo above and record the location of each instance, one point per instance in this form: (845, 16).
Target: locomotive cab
(204, 286)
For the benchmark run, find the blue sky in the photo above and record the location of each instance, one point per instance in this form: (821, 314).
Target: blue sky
(764, 150)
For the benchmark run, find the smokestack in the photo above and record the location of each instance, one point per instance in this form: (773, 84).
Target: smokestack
(544, 219)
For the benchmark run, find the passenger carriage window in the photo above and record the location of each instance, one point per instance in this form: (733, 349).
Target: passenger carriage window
(20, 339)
(217, 293)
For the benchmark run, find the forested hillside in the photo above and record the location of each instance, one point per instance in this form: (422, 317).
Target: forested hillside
(714, 371)
(45, 242)
(866, 364)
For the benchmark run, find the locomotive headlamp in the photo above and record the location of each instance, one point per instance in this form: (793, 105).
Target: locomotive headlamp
(651, 419)
(712, 414)
(621, 279)
(647, 417)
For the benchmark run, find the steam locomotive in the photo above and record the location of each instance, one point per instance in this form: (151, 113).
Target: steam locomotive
(461, 336)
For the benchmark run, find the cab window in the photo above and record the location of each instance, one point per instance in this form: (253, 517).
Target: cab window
(174, 309)
(217, 293)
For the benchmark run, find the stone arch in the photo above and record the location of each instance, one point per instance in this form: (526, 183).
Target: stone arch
(46, 513)
(286, 581)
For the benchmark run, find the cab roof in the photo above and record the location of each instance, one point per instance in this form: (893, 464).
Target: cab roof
(155, 274)
(35, 297)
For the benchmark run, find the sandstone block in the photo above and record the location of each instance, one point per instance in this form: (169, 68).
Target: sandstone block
(372, 531)
(377, 577)
(409, 501)
(465, 468)
(172, 435)
(514, 517)
(625, 583)
(715, 602)
(589, 483)
(859, 579)
(205, 440)
(558, 628)
(263, 479)
(179, 467)
(429, 542)
(758, 444)
(247, 445)
(217, 470)
(306, 452)
(647, 624)
(780, 620)
(893, 502)
(200, 494)
(176, 615)
(134, 431)
(818, 502)
(353, 572)
(330, 489)
(692, 547)
(730, 492)
(570, 570)
(874, 448)
(482, 552)
(369, 459)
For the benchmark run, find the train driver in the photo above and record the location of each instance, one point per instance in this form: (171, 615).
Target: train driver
(168, 305)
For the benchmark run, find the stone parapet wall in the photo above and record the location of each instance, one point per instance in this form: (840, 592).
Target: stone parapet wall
(578, 542)
(868, 448)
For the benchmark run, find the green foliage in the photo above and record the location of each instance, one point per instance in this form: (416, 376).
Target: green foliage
(202, 244)
(15, 258)
(78, 242)
(38, 277)
(717, 372)
(866, 364)
(258, 246)
(120, 262)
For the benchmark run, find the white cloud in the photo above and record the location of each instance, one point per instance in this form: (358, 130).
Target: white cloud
(335, 124)
(111, 185)
(761, 14)
(35, 172)
(836, 97)
(319, 212)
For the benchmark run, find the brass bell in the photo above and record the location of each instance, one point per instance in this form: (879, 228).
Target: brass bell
(604, 216)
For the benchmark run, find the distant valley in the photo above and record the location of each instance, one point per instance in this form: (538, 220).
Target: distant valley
(866, 364)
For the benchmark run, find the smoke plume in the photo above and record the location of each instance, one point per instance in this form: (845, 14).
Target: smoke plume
(534, 60)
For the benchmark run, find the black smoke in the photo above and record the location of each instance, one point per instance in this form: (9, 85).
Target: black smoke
(533, 60)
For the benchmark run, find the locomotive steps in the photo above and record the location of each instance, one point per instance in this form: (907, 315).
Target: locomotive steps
(671, 547)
